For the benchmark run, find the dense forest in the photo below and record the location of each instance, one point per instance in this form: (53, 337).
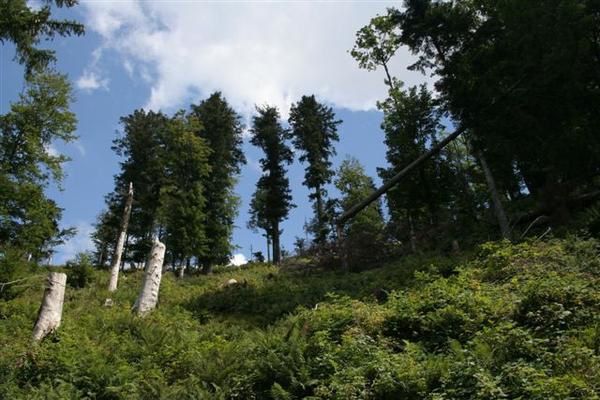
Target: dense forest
(471, 274)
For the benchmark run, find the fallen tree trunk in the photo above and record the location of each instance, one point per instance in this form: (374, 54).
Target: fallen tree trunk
(50, 313)
(116, 260)
(396, 178)
(148, 297)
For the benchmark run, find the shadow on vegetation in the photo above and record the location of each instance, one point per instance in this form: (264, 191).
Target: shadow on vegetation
(261, 300)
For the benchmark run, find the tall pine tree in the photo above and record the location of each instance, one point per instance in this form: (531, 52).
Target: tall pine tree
(222, 131)
(313, 132)
(269, 135)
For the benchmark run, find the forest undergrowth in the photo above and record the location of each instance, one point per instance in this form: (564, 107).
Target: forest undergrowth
(509, 321)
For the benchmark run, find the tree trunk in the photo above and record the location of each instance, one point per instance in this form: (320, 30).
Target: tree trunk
(116, 260)
(183, 267)
(268, 248)
(50, 313)
(493, 190)
(276, 245)
(413, 239)
(124, 253)
(319, 211)
(148, 296)
(342, 248)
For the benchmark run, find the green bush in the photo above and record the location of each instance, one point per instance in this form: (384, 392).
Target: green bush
(515, 321)
(79, 270)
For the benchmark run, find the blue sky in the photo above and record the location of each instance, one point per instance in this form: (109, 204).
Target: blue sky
(166, 55)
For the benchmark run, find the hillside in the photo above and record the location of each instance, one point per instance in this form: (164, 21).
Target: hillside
(512, 321)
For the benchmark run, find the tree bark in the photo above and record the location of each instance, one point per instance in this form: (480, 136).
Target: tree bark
(493, 190)
(268, 248)
(319, 210)
(50, 313)
(411, 233)
(148, 297)
(276, 245)
(182, 268)
(116, 260)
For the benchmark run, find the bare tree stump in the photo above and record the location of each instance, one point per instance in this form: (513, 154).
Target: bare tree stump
(148, 297)
(50, 313)
(116, 260)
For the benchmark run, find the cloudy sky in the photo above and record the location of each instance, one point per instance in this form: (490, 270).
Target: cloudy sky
(166, 55)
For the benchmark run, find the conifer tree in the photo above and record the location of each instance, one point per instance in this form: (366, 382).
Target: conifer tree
(364, 234)
(313, 132)
(269, 135)
(182, 209)
(411, 125)
(222, 131)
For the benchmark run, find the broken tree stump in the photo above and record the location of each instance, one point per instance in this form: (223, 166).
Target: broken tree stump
(116, 259)
(50, 313)
(148, 297)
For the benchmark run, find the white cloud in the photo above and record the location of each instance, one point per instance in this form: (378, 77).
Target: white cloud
(256, 53)
(51, 150)
(79, 147)
(81, 242)
(238, 259)
(91, 81)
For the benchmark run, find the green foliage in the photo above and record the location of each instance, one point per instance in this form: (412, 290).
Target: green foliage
(182, 209)
(272, 200)
(490, 330)
(79, 271)
(222, 131)
(13, 268)
(363, 235)
(314, 131)
(25, 27)
(28, 219)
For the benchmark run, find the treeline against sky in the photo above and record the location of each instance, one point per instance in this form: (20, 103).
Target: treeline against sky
(521, 79)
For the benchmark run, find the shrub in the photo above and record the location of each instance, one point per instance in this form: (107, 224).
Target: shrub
(80, 270)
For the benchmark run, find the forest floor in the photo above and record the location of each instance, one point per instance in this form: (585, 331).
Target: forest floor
(507, 321)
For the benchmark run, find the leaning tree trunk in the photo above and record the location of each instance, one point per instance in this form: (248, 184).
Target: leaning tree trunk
(50, 313)
(148, 297)
(498, 207)
(116, 260)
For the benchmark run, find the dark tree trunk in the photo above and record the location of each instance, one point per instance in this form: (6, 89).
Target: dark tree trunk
(496, 201)
(276, 244)
(320, 223)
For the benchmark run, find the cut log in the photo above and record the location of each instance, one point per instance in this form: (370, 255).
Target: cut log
(148, 297)
(116, 260)
(50, 313)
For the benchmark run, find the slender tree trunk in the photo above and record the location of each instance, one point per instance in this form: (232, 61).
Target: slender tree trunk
(342, 248)
(413, 239)
(124, 253)
(206, 269)
(268, 248)
(493, 190)
(148, 297)
(276, 248)
(116, 260)
(50, 313)
(183, 267)
(319, 212)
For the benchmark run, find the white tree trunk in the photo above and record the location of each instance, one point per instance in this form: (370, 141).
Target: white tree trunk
(50, 312)
(116, 260)
(148, 297)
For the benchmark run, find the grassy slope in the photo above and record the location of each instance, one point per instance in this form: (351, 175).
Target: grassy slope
(512, 322)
